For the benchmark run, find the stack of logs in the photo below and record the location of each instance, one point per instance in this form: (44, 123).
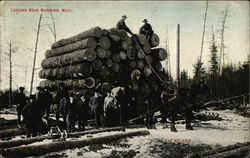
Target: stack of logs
(98, 56)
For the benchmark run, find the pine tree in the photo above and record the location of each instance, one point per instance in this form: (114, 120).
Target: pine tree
(184, 78)
(214, 67)
(199, 71)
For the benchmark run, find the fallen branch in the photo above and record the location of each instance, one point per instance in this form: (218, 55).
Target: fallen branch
(38, 150)
(14, 143)
(12, 132)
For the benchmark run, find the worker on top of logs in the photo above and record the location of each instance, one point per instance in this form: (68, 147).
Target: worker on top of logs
(121, 25)
(20, 99)
(146, 29)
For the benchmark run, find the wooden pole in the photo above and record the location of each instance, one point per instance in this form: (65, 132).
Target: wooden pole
(10, 62)
(178, 56)
(34, 60)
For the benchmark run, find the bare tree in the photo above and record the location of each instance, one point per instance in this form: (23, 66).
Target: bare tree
(9, 54)
(34, 60)
(222, 46)
(202, 41)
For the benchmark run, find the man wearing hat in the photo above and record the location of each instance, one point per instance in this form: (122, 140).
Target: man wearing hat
(146, 29)
(48, 100)
(121, 25)
(20, 99)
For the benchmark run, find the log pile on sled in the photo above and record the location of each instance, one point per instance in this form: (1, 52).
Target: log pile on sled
(98, 56)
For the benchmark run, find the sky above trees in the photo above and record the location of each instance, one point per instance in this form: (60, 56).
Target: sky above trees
(20, 28)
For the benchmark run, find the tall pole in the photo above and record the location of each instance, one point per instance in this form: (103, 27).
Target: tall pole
(178, 56)
(10, 62)
(222, 47)
(204, 30)
(34, 60)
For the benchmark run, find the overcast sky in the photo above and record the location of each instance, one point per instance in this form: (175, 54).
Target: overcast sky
(162, 15)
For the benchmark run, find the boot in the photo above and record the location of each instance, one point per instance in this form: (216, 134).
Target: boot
(189, 126)
(172, 128)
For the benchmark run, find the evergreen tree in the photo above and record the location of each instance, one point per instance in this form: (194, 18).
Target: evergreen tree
(199, 71)
(184, 78)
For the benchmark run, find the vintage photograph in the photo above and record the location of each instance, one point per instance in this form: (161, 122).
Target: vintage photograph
(125, 79)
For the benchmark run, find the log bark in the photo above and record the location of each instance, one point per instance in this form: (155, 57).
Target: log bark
(89, 43)
(39, 150)
(140, 64)
(116, 67)
(142, 39)
(159, 53)
(105, 32)
(97, 65)
(69, 59)
(108, 54)
(154, 40)
(116, 58)
(70, 84)
(118, 34)
(74, 71)
(140, 54)
(93, 32)
(104, 42)
(109, 63)
(158, 66)
(149, 59)
(146, 48)
(12, 132)
(127, 43)
(14, 143)
(132, 64)
(131, 53)
(123, 55)
(135, 75)
(147, 71)
(101, 53)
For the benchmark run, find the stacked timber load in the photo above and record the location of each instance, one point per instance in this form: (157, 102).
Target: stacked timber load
(98, 57)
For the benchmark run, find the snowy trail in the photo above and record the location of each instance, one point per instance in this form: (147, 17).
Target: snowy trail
(232, 129)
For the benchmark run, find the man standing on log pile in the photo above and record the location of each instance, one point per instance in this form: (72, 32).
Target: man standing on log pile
(121, 25)
(82, 115)
(146, 29)
(20, 99)
(61, 93)
(95, 103)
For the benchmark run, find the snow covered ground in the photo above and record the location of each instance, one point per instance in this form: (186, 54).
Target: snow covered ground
(232, 129)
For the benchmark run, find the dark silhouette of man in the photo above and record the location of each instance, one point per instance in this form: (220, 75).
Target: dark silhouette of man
(121, 25)
(146, 29)
(20, 99)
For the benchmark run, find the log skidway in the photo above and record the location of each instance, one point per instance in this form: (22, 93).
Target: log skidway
(14, 143)
(38, 150)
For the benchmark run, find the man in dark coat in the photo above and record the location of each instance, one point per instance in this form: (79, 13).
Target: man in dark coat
(95, 103)
(82, 112)
(20, 99)
(48, 100)
(61, 93)
(122, 100)
(121, 25)
(31, 113)
(146, 29)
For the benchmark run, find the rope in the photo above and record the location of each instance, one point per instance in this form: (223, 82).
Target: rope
(148, 62)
